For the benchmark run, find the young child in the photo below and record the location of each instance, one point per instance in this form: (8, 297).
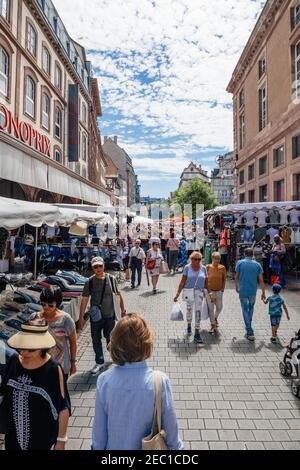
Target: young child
(276, 302)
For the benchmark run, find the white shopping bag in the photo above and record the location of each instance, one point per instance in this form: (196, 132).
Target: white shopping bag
(204, 309)
(176, 314)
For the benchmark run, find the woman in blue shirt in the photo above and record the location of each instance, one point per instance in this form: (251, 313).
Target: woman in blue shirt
(125, 394)
(193, 283)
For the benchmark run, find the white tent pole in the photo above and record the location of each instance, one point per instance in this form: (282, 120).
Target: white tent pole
(35, 253)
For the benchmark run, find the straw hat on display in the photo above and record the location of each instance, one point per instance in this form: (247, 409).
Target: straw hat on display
(34, 335)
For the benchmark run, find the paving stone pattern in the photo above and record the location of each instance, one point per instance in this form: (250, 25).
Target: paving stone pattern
(228, 392)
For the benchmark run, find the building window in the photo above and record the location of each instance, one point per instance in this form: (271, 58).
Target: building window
(242, 131)
(261, 68)
(57, 155)
(242, 177)
(84, 172)
(77, 169)
(58, 78)
(279, 190)
(46, 112)
(241, 98)
(251, 172)
(84, 148)
(251, 195)
(46, 60)
(30, 97)
(2, 118)
(31, 39)
(4, 71)
(263, 193)
(296, 16)
(296, 188)
(58, 123)
(278, 156)
(263, 162)
(242, 198)
(296, 146)
(84, 113)
(297, 69)
(4, 9)
(262, 108)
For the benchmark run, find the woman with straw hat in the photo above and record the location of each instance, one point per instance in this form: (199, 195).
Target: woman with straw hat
(36, 400)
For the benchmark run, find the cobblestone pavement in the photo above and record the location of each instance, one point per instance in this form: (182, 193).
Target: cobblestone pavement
(228, 392)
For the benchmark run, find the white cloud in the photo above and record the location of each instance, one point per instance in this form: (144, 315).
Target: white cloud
(164, 65)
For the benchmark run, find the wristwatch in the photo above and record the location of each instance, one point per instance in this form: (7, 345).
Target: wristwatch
(62, 439)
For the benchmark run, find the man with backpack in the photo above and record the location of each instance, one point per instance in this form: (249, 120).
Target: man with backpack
(100, 289)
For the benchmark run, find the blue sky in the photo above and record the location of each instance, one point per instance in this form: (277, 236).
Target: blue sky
(163, 67)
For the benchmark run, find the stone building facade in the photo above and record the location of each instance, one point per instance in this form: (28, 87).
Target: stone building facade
(223, 179)
(39, 66)
(127, 177)
(266, 101)
(191, 172)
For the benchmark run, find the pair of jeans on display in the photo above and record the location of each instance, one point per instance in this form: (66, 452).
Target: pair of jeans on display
(247, 304)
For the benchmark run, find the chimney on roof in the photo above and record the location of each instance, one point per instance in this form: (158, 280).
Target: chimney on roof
(115, 139)
(105, 138)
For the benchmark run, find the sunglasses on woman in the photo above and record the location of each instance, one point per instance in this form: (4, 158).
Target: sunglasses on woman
(98, 266)
(45, 304)
(196, 259)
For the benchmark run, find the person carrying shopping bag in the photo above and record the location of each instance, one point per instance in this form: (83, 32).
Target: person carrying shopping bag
(153, 262)
(216, 286)
(194, 281)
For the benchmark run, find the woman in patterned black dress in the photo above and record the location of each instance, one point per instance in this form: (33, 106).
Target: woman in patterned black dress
(36, 401)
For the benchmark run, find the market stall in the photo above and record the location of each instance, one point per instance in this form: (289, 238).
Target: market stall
(232, 228)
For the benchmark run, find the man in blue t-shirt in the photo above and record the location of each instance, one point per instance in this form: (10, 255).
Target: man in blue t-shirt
(248, 273)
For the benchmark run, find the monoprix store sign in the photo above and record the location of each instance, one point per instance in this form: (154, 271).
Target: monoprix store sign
(73, 123)
(24, 132)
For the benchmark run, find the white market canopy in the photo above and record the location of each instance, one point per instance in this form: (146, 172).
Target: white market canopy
(15, 213)
(255, 206)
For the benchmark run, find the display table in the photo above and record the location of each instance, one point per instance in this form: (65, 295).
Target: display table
(73, 308)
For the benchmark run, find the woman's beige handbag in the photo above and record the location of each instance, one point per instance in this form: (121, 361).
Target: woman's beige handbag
(163, 268)
(157, 439)
(127, 275)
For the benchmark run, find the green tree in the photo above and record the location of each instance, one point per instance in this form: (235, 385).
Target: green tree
(196, 192)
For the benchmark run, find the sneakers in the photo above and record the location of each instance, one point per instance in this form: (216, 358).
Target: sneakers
(154, 291)
(189, 331)
(212, 330)
(250, 337)
(274, 339)
(97, 368)
(198, 339)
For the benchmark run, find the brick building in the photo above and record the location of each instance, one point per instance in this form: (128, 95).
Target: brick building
(266, 101)
(50, 146)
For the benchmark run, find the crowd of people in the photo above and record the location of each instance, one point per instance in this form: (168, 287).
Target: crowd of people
(34, 387)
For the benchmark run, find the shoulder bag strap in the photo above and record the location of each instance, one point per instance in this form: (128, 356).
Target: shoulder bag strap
(158, 401)
(103, 290)
(91, 284)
